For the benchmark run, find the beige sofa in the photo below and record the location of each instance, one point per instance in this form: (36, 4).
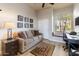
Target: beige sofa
(28, 39)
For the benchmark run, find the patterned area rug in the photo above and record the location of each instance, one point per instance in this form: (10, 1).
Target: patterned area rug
(43, 49)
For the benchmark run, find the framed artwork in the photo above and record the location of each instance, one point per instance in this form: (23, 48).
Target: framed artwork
(24, 22)
(26, 25)
(26, 19)
(19, 25)
(31, 20)
(31, 25)
(20, 18)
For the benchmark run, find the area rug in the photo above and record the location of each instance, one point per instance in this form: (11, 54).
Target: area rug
(43, 49)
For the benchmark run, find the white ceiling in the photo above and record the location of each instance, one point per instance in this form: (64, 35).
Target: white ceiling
(38, 6)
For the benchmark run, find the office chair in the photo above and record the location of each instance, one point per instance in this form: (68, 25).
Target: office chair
(66, 41)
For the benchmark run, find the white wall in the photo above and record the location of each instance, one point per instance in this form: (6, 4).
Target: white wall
(10, 11)
(76, 14)
(45, 22)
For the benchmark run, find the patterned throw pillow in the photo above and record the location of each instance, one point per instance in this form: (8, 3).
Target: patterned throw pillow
(35, 32)
(21, 35)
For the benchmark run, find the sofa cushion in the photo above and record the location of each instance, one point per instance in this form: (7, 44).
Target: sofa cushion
(35, 32)
(29, 40)
(21, 35)
(29, 34)
(35, 38)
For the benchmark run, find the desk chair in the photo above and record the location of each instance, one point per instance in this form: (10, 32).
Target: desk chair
(66, 41)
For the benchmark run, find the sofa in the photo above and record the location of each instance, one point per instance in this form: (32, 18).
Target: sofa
(28, 39)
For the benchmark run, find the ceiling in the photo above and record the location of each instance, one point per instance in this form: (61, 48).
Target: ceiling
(38, 6)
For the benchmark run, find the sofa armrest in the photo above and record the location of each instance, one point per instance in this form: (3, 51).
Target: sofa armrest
(22, 45)
(20, 38)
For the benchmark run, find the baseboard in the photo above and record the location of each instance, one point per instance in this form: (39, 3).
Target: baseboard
(58, 41)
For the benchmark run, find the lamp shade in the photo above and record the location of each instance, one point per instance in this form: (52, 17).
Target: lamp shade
(9, 25)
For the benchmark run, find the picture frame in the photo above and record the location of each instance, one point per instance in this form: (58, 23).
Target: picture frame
(26, 19)
(19, 25)
(20, 18)
(31, 20)
(26, 25)
(31, 25)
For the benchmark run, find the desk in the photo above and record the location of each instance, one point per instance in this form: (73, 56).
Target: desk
(72, 39)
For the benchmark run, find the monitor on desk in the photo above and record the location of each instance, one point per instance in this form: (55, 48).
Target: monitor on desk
(77, 21)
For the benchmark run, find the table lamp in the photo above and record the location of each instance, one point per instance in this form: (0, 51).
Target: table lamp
(9, 26)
